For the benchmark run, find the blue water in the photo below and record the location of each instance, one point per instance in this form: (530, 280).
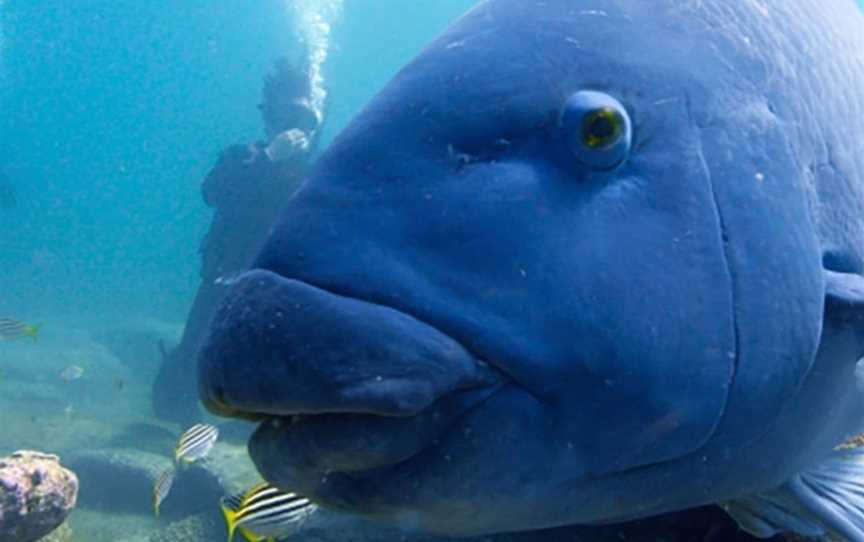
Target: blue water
(111, 114)
(114, 110)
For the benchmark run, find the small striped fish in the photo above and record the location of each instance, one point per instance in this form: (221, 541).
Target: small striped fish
(161, 488)
(196, 442)
(14, 329)
(266, 512)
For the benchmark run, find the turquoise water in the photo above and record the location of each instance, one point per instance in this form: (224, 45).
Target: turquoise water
(113, 112)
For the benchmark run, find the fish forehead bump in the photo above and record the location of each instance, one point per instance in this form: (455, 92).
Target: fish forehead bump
(617, 46)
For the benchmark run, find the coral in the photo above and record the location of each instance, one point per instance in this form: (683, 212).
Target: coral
(36, 495)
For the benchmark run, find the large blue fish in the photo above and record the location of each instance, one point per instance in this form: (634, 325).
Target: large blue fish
(581, 261)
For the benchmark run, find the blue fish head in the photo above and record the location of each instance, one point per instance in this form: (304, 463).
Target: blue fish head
(565, 248)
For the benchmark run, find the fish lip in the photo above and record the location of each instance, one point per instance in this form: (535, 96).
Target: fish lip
(432, 420)
(340, 500)
(214, 400)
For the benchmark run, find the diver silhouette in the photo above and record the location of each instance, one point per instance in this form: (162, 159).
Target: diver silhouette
(246, 189)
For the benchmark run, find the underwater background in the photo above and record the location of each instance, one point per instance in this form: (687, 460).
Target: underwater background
(112, 112)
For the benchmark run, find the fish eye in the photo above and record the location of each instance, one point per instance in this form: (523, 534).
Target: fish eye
(596, 129)
(602, 128)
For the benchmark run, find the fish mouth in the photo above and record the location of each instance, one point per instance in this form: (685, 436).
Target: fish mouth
(338, 459)
(339, 384)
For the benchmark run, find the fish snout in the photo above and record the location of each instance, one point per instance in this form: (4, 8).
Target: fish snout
(281, 347)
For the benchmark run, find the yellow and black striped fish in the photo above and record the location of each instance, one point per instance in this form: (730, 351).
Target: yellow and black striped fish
(161, 488)
(11, 329)
(196, 442)
(266, 513)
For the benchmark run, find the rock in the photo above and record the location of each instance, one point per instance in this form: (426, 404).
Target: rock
(36, 495)
(147, 437)
(140, 345)
(236, 431)
(63, 533)
(230, 464)
(120, 480)
(203, 526)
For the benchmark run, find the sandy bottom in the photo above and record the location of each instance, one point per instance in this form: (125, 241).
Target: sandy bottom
(42, 410)
(94, 526)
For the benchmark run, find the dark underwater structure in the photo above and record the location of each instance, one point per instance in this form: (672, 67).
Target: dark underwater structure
(246, 188)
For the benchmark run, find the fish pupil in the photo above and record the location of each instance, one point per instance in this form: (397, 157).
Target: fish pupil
(602, 128)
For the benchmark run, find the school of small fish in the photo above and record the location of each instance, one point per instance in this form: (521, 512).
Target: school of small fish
(263, 512)
(193, 445)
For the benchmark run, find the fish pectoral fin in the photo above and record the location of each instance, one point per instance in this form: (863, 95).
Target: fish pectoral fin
(827, 499)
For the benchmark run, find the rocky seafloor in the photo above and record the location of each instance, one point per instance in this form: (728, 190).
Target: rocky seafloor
(101, 425)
